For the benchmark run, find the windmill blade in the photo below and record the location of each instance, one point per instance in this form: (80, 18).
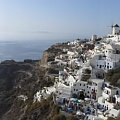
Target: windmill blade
(111, 26)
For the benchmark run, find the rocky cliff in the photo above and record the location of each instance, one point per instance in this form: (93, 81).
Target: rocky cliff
(19, 81)
(54, 50)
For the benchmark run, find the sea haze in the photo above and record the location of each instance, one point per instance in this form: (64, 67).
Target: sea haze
(20, 50)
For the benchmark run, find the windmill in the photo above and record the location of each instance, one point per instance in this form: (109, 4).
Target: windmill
(111, 27)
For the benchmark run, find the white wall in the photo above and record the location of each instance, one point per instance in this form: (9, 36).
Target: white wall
(87, 88)
(105, 64)
(115, 30)
(108, 52)
(114, 113)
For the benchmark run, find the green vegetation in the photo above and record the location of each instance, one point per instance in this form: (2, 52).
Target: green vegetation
(63, 117)
(53, 71)
(71, 117)
(85, 77)
(59, 117)
(45, 110)
(113, 76)
(87, 71)
(110, 118)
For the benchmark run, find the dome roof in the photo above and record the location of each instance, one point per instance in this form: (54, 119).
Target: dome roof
(116, 25)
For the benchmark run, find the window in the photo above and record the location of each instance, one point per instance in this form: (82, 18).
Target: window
(84, 84)
(110, 66)
(74, 89)
(100, 66)
(80, 84)
(83, 89)
(117, 93)
(88, 91)
(87, 86)
(112, 115)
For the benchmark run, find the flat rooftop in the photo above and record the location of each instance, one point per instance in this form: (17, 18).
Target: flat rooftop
(97, 80)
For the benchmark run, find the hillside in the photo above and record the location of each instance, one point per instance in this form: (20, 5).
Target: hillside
(19, 81)
(16, 79)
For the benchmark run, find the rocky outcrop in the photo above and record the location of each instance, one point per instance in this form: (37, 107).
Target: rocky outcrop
(11, 78)
(47, 56)
(50, 53)
(20, 79)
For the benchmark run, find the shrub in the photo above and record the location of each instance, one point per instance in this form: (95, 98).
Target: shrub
(113, 76)
(71, 117)
(87, 71)
(59, 117)
(110, 118)
(85, 77)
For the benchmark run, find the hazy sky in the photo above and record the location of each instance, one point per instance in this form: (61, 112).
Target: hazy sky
(56, 19)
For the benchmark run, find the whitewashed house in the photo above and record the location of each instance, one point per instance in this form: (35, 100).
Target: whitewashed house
(70, 80)
(75, 42)
(63, 91)
(91, 89)
(110, 100)
(109, 60)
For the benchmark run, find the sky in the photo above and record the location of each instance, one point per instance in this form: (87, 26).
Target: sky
(56, 19)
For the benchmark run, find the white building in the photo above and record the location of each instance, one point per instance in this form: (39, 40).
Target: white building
(109, 59)
(92, 89)
(107, 52)
(70, 80)
(94, 37)
(44, 93)
(110, 100)
(115, 30)
(63, 91)
(75, 42)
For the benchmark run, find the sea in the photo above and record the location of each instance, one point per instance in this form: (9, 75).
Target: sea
(20, 50)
